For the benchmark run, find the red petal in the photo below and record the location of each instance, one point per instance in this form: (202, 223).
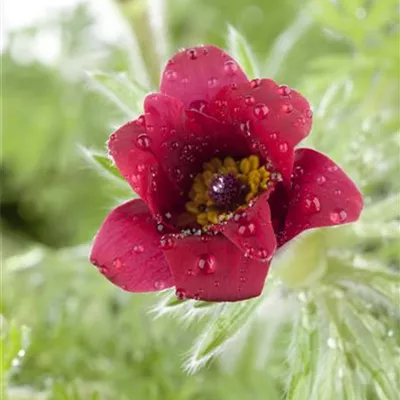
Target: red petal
(126, 250)
(252, 232)
(130, 147)
(322, 195)
(213, 269)
(198, 74)
(275, 118)
(183, 140)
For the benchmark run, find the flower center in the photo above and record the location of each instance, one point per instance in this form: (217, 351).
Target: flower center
(227, 191)
(225, 186)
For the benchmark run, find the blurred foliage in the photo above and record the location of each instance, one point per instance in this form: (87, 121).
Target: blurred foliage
(69, 334)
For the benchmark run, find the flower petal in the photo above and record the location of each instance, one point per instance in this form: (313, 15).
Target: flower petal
(198, 74)
(126, 250)
(322, 195)
(212, 268)
(130, 147)
(251, 230)
(275, 118)
(183, 140)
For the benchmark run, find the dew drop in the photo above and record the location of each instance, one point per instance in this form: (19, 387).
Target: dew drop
(117, 263)
(192, 54)
(287, 108)
(141, 168)
(331, 342)
(284, 90)
(283, 147)
(180, 294)
(159, 285)
(141, 120)
(298, 171)
(261, 111)
(171, 75)
(321, 179)
(196, 296)
(264, 254)
(138, 249)
(311, 204)
(143, 141)
(198, 105)
(230, 67)
(247, 229)
(273, 136)
(338, 216)
(103, 270)
(167, 242)
(206, 263)
(332, 168)
(249, 100)
(174, 145)
(255, 83)
(309, 113)
(337, 192)
(212, 82)
(189, 272)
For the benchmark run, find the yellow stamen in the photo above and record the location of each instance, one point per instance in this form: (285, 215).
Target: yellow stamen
(248, 170)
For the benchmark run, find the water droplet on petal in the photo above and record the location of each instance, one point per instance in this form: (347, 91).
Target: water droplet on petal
(283, 147)
(298, 171)
(143, 141)
(117, 263)
(180, 294)
(141, 120)
(332, 168)
(337, 192)
(199, 105)
(212, 82)
(284, 90)
(141, 168)
(167, 242)
(189, 272)
(216, 283)
(338, 216)
(311, 204)
(192, 54)
(207, 263)
(249, 100)
(159, 285)
(309, 113)
(247, 229)
(230, 67)
(171, 75)
(321, 179)
(261, 111)
(273, 136)
(138, 249)
(255, 83)
(287, 108)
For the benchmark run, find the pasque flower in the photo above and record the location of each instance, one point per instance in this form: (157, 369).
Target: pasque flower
(222, 187)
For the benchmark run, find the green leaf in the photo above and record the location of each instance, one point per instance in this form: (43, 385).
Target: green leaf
(240, 50)
(229, 319)
(124, 93)
(14, 341)
(102, 163)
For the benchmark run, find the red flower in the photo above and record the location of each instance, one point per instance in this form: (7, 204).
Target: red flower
(222, 187)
